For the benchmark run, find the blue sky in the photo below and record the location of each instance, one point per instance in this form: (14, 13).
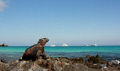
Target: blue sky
(74, 22)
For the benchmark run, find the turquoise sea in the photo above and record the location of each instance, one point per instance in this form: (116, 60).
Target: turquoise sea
(106, 52)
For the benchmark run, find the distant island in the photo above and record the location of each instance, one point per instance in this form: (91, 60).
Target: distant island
(4, 44)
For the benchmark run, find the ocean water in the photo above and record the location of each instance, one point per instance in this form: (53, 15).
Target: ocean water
(105, 52)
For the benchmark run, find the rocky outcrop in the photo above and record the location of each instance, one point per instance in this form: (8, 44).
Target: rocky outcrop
(96, 59)
(96, 62)
(56, 64)
(4, 44)
(76, 60)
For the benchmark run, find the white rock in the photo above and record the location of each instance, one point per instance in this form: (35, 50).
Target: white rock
(115, 61)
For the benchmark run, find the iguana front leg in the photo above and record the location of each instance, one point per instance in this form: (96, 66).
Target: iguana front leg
(38, 53)
(43, 52)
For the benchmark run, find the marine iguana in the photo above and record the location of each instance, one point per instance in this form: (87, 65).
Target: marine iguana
(35, 51)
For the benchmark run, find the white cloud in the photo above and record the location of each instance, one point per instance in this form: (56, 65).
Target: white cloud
(2, 5)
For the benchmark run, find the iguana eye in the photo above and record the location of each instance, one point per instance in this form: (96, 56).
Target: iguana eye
(41, 39)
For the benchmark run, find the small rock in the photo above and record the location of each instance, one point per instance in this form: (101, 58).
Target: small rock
(46, 56)
(109, 63)
(115, 61)
(103, 65)
(52, 58)
(103, 61)
(94, 59)
(63, 64)
(80, 60)
(4, 61)
(63, 59)
(40, 57)
(20, 59)
(118, 68)
(45, 63)
(97, 56)
(76, 60)
(4, 66)
(77, 67)
(14, 61)
(39, 62)
(57, 59)
(88, 56)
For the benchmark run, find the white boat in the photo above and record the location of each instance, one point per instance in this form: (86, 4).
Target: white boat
(52, 45)
(94, 45)
(64, 45)
(85, 45)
